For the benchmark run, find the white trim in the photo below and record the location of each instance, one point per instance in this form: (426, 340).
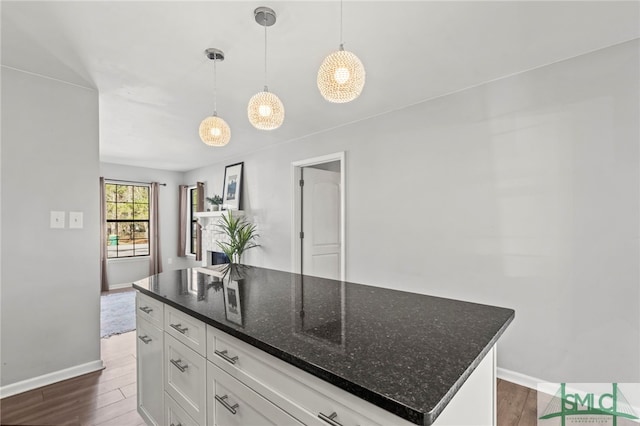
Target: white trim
(119, 286)
(494, 385)
(49, 378)
(128, 259)
(295, 177)
(519, 378)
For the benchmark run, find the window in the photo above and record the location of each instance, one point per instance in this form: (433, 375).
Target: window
(127, 220)
(193, 207)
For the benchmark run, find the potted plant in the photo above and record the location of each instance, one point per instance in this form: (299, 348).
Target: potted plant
(240, 236)
(215, 201)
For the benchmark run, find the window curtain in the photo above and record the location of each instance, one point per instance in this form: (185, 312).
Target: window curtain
(155, 258)
(182, 220)
(199, 208)
(104, 283)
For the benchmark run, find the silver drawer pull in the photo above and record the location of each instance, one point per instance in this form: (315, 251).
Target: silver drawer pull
(179, 366)
(173, 424)
(145, 309)
(146, 339)
(330, 418)
(225, 404)
(223, 355)
(179, 328)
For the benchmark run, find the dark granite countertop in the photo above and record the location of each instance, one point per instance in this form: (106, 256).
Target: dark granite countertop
(404, 352)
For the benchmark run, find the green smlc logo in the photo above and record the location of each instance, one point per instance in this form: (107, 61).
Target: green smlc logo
(612, 404)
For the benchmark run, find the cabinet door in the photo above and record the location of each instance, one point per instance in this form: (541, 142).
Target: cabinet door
(149, 363)
(185, 378)
(230, 403)
(175, 415)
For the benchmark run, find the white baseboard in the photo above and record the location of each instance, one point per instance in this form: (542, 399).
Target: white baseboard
(119, 286)
(518, 378)
(49, 378)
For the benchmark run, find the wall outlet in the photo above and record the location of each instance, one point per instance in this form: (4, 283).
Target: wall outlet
(169, 260)
(75, 220)
(57, 219)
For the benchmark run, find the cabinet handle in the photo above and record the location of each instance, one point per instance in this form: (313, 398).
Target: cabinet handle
(145, 309)
(225, 404)
(173, 424)
(146, 339)
(179, 366)
(223, 355)
(330, 418)
(179, 328)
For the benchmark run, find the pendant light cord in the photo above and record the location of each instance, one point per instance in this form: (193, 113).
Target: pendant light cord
(341, 37)
(265, 52)
(215, 87)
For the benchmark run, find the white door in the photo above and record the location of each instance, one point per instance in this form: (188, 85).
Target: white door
(321, 242)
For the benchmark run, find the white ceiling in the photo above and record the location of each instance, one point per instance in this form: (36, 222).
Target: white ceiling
(146, 59)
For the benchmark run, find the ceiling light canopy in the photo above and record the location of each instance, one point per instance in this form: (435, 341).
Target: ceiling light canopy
(214, 131)
(341, 76)
(265, 110)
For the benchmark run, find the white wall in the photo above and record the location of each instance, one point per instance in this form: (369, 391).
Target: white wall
(523, 192)
(125, 271)
(50, 307)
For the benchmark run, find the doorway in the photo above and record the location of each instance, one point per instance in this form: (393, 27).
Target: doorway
(318, 233)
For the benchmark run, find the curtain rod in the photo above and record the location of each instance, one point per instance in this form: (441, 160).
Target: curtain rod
(131, 181)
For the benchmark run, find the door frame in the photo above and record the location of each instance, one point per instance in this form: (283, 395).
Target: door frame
(296, 166)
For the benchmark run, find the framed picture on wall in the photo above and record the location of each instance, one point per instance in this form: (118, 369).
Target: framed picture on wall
(232, 191)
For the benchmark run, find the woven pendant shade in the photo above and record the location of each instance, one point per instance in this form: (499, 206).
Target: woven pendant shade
(214, 131)
(265, 111)
(341, 77)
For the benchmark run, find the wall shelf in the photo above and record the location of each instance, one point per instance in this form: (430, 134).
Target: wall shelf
(204, 217)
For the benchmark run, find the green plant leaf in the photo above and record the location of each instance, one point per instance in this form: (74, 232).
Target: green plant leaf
(240, 236)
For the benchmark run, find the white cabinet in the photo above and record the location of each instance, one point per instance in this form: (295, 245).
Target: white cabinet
(175, 414)
(186, 329)
(307, 398)
(149, 362)
(193, 374)
(150, 309)
(185, 378)
(230, 403)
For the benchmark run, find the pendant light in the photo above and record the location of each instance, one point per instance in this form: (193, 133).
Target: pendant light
(214, 131)
(341, 75)
(265, 109)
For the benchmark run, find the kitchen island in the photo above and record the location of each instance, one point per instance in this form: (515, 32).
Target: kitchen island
(305, 350)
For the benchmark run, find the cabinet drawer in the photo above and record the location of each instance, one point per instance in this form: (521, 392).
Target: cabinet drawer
(175, 414)
(185, 378)
(300, 394)
(149, 309)
(149, 364)
(185, 328)
(230, 403)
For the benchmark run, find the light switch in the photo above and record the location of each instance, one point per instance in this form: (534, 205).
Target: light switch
(57, 219)
(75, 219)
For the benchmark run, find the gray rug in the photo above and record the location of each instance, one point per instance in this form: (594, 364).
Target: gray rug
(117, 313)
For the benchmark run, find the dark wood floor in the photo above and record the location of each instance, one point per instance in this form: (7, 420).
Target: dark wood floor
(517, 405)
(105, 398)
(108, 398)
